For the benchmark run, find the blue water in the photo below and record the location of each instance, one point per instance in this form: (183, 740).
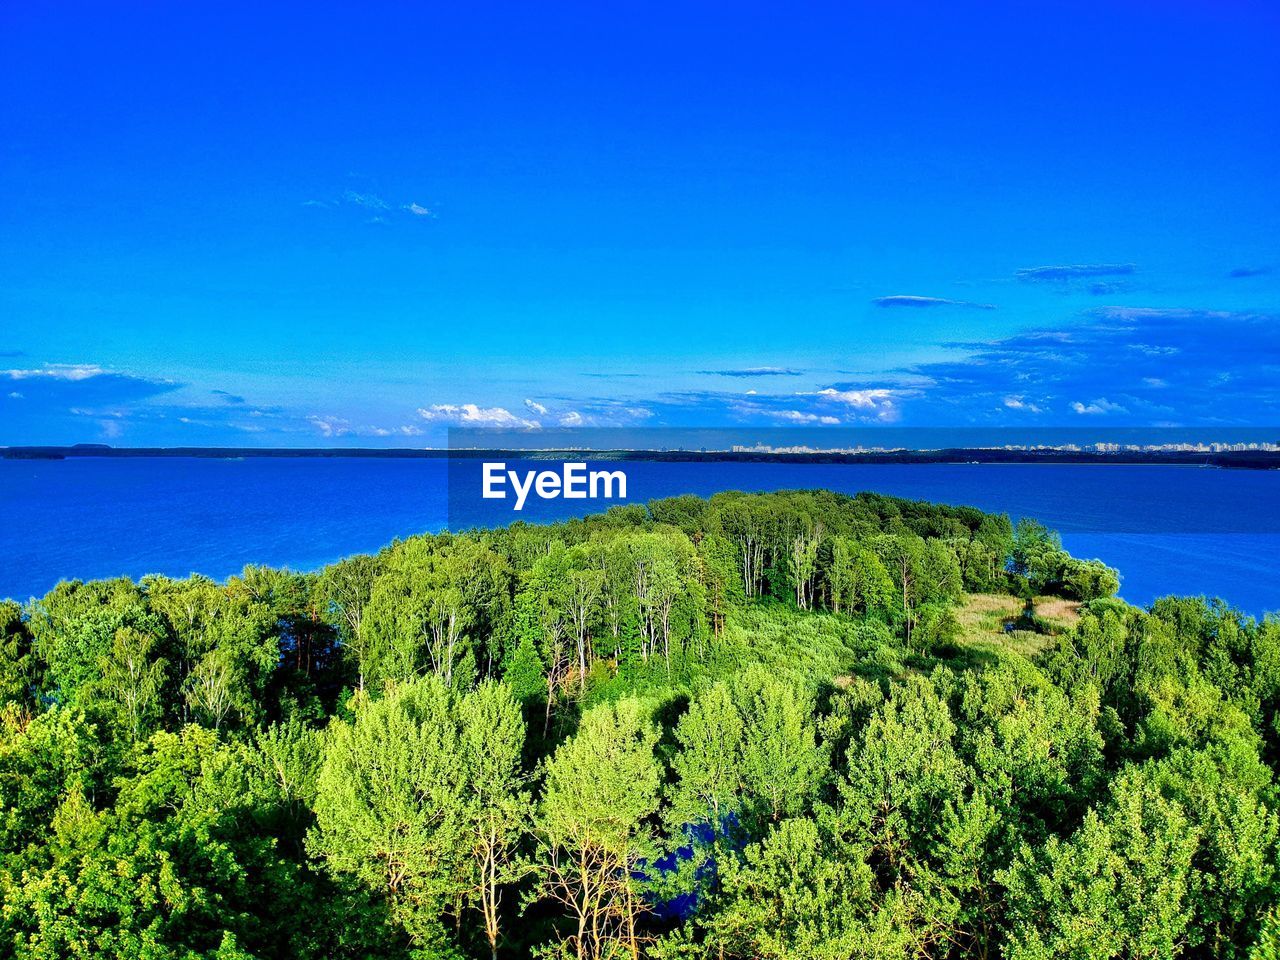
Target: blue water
(1168, 529)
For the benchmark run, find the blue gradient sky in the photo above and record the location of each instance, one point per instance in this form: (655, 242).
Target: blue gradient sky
(315, 226)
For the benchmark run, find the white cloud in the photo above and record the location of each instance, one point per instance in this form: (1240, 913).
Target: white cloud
(1099, 406)
(371, 202)
(871, 399)
(1074, 271)
(86, 412)
(473, 415)
(57, 371)
(15, 395)
(797, 416)
(572, 419)
(367, 200)
(879, 403)
(534, 407)
(1020, 403)
(330, 426)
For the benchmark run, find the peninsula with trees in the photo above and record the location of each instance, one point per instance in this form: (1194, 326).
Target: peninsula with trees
(792, 725)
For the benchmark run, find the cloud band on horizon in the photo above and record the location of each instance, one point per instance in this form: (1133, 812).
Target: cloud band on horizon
(754, 372)
(906, 300)
(1074, 271)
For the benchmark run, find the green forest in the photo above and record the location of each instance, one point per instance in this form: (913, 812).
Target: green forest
(789, 725)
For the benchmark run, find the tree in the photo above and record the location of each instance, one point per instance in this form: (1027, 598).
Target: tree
(720, 579)
(1118, 887)
(802, 561)
(1089, 579)
(345, 589)
(74, 629)
(492, 738)
(707, 766)
(1267, 945)
(192, 609)
(857, 579)
(209, 690)
(1038, 556)
(669, 601)
(523, 673)
(781, 760)
(982, 563)
(392, 809)
(542, 617)
(42, 759)
(132, 676)
(584, 588)
(175, 867)
(803, 894)
(617, 600)
(226, 641)
(903, 557)
(749, 524)
(1035, 749)
(439, 604)
(601, 789)
(18, 663)
(174, 785)
(1225, 796)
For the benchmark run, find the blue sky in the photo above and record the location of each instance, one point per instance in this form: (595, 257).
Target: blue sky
(312, 226)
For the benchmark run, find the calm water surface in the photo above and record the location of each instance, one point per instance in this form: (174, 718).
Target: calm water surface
(1168, 529)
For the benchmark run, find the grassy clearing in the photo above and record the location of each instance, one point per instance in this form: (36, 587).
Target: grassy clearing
(984, 615)
(1063, 613)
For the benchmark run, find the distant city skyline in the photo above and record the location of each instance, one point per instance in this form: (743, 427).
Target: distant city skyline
(303, 228)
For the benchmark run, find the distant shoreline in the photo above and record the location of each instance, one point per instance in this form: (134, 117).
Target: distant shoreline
(1233, 459)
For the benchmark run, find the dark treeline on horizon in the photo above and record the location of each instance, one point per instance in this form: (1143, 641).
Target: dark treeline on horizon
(1242, 459)
(787, 725)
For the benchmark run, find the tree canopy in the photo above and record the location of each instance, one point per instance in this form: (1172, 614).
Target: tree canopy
(750, 726)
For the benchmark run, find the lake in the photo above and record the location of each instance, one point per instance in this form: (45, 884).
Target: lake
(1168, 529)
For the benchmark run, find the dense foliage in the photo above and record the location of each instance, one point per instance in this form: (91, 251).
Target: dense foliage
(750, 726)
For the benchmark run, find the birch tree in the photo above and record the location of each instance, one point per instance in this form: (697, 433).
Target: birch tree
(601, 789)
